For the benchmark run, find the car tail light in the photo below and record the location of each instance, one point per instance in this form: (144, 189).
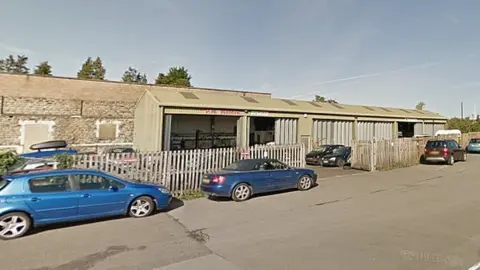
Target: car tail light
(218, 179)
(425, 150)
(445, 150)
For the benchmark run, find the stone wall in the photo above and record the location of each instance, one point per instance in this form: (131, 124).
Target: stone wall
(74, 120)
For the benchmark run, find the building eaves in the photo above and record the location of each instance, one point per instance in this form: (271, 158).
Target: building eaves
(175, 98)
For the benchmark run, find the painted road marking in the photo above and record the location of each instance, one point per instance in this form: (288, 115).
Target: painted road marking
(475, 267)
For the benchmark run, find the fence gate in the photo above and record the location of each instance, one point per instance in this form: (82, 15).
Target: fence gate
(285, 131)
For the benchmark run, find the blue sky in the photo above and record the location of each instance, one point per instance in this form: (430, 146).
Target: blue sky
(372, 52)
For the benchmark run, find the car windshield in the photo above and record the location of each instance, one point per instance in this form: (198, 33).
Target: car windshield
(475, 141)
(21, 162)
(339, 150)
(435, 144)
(242, 165)
(3, 183)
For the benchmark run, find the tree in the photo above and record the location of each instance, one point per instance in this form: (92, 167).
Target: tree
(464, 125)
(177, 76)
(133, 76)
(43, 69)
(92, 70)
(12, 65)
(324, 100)
(420, 106)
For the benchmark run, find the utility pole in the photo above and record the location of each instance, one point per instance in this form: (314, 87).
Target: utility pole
(461, 108)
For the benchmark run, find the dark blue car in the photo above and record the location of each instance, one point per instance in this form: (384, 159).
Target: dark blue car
(241, 179)
(37, 198)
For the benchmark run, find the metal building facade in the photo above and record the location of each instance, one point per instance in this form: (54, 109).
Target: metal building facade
(332, 132)
(365, 131)
(431, 128)
(286, 131)
(383, 130)
(418, 129)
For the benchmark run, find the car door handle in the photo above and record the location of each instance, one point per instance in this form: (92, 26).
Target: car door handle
(35, 199)
(86, 195)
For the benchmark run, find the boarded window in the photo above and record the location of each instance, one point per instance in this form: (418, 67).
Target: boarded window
(107, 131)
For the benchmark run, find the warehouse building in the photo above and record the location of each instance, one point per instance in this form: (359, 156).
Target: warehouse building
(174, 119)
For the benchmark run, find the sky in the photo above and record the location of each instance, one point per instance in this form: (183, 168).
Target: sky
(369, 52)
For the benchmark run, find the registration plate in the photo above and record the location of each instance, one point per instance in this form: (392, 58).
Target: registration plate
(325, 161)
(206, 180)
(434, 152)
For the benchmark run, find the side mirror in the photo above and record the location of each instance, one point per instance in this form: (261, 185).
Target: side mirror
(113, 188)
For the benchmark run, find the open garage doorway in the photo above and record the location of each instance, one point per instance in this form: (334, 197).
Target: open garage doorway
(406, 129)
(270, 130)
(200, 132)
(262, 130)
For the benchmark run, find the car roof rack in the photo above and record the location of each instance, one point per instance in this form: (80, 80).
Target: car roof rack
(49, 145)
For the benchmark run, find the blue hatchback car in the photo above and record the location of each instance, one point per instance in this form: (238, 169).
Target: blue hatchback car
(241, 179)
(38, 198)
(473, 145)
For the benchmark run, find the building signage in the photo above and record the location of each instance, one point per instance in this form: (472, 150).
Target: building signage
(223, 112)
(258, 113)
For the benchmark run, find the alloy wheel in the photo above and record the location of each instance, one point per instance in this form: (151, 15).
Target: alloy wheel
(13, 226)
(140, 208)
(305, 182)
(242, 192)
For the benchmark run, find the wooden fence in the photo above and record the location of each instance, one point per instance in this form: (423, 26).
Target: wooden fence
(183, 170)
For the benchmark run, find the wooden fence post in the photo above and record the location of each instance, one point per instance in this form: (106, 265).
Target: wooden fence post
(373, 155)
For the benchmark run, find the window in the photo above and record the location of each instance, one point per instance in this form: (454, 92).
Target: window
(107, 131)
(49, 184)
(269, 165)
(91, 182)
(3, 183)
(435, 144)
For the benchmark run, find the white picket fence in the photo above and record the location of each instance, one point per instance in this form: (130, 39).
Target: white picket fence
(183, 170)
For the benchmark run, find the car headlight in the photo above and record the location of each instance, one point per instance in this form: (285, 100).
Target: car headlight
(164, 190)
(332, 159)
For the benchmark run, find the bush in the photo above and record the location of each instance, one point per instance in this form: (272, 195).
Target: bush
(7, 159)
(64, 161)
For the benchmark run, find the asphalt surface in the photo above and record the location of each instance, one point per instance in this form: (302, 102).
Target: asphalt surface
(424, 217)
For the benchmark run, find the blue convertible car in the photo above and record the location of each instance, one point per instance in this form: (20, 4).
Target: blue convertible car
(241, 179)
(38, 198)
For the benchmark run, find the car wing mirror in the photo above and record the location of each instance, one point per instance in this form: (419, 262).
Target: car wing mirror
(113, 188)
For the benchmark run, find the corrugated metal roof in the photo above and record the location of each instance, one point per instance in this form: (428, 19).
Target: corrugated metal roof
(237, 102)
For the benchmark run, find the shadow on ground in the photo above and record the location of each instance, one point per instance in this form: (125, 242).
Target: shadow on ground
(272, 193)
(174, 204)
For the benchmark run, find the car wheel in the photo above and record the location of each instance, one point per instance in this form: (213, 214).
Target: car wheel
(451, 160)
(340, 163)
(241, 192)
(464, 156)
(14, 225)
(141, 207)
(305, 182)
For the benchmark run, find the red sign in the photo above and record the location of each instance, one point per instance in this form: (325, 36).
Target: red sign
(224, 112)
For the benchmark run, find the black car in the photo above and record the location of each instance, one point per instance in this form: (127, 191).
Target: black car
(339, 158)
(315, 156)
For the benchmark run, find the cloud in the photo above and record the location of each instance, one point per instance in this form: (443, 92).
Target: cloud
(369, 75)
(14, 49)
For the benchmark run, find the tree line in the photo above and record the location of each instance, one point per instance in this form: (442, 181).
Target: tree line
(93, 69)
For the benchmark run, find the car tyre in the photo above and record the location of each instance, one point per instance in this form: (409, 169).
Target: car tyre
(465, 156)
(451, 160)
(340, 163)
(142, 206)
(305, 182)
(14, 225)
(241, 192)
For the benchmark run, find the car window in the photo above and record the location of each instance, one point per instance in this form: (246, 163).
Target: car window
(435, 144)
(475, 141)
(91, 182)
(49, 184)
(278, 165)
